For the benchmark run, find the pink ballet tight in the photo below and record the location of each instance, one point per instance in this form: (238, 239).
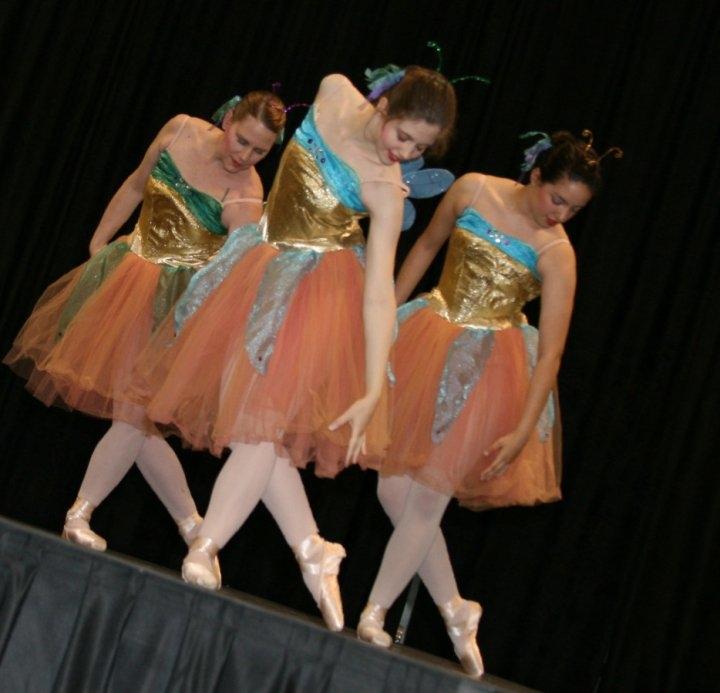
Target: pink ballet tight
(253, 473)
(113, 456)
(416, 545)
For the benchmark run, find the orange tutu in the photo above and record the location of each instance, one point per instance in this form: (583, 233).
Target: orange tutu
(203, 386)
(493, 408)
(80, 344)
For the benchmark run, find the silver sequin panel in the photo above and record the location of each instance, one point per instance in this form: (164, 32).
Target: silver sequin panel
(281, 278)
(214, 273)
(547, 418)
(464, 364)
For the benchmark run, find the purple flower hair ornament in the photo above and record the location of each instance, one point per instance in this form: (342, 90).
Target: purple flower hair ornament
(533, 151)
(381, 79)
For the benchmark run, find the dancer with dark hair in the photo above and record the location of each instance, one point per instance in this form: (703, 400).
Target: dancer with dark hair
(475, 410)
(285, 360)
(80, 344)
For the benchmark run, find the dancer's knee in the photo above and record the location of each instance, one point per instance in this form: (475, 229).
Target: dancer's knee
(125, 429)
(392, 493)
(426, 504)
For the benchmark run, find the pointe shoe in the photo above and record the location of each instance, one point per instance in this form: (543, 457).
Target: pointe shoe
(189, 528)
(77, 526)
(320, 564)
(204, 569)
(370, 626)
(461, 620)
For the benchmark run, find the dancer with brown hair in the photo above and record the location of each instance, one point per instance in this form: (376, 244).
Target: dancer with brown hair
(285, 361)
(475, 411)
(80, 345)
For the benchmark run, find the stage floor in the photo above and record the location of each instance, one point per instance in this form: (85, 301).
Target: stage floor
(76, 620)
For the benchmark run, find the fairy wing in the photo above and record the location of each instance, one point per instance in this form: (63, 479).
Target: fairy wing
(423, 183)
(428, 182)
(409, 215)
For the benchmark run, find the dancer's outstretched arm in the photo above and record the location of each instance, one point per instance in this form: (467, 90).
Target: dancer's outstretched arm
(384, 200)
(557, 268)
(129, 194)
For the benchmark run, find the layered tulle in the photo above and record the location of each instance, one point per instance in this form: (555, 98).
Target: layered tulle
(203, 385)
(453, 465)
(79, 346)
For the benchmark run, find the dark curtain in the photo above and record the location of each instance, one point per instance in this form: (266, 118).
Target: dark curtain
(613, 589)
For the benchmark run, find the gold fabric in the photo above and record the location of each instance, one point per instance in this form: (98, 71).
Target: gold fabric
(481, 286)
(303, 211)
(168, 233)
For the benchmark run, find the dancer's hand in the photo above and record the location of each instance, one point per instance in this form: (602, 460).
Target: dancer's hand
(357, 415)
(507, 447)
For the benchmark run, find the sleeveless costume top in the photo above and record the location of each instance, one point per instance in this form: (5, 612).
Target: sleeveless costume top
(313, 208)
(179, 229)
(315, 200)
(178, 226)
(487, 278)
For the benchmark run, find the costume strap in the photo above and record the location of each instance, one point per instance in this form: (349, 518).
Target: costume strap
(177, 134)
(549, 245)
(235, 200)
(399, 184)
(478, 190)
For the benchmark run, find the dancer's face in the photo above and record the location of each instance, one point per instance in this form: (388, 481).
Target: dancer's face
(403, 139)
(245, 142)
(556, 202)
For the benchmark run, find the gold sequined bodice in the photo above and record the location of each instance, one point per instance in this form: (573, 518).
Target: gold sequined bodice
(482, 285)
(303, 210)
(173, 226)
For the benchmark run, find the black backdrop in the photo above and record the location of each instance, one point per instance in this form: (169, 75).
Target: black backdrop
(612, 589)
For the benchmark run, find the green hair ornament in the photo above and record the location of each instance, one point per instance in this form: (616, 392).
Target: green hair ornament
(438, 49)
(381, 79)
(218, 116)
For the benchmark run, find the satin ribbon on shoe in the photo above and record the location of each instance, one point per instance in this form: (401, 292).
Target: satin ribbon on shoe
(189, 528)
(461, 618)
(320, 564)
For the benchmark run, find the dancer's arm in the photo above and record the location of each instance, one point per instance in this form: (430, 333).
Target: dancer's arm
(129, 194)
(428, 244)
(557, 268)
(384, 200)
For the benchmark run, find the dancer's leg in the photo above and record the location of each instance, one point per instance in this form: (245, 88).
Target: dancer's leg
(249, 475)
(109, 463)
(319, 560)
(162, 470)
(285, 498)
(436, 570)
(401, 499)
(112, 458)
(408, 547)
(416, 529)
(237, 490)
